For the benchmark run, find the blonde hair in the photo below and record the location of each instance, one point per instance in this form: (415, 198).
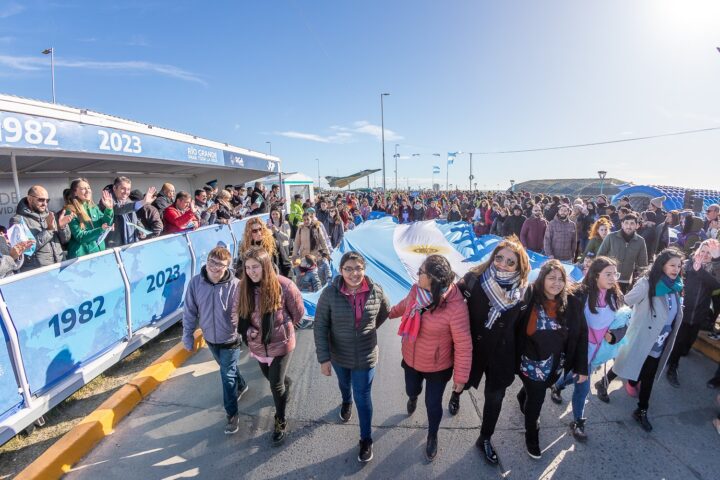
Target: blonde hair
(267, 242)
(76, 207)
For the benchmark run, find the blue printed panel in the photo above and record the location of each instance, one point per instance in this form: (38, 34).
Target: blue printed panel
(158, 273)
(238, 228)
(206, 239)
(9, 396)
(67, 316)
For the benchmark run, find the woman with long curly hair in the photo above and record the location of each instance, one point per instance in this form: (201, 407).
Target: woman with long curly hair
(598, 232)
(257, 234)
(269, 308)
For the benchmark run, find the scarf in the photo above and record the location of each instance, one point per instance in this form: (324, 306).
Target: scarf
(502, 289)
(410, 323)
(667, 285)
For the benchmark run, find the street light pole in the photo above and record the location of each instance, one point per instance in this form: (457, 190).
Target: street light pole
(270, 146)
(382, 128)
(51, 51)
(472, 177)
(602, 174)
(318, 165)
(396, 159)
(512, 186)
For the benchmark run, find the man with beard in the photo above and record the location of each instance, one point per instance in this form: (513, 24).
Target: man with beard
(628, 249)
(533, 230)
(49, 234)
(560, 240)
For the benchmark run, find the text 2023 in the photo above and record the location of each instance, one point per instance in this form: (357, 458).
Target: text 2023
(70, 317)
(162, 277)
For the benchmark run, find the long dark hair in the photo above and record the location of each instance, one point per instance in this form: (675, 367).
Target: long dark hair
(438, 270)
(539, 288)
(589, 285)
(656, 270)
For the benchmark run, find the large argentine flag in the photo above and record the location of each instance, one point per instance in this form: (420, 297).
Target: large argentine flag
(394, 253)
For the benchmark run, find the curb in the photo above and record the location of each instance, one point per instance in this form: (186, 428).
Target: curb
(57, 460)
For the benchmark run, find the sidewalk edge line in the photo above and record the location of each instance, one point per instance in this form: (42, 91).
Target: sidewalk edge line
(57, 460)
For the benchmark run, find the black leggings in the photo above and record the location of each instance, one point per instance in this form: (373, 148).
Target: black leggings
(686, 336)
(646, 380)
(276, 374)
(491, 409)
(532, 396)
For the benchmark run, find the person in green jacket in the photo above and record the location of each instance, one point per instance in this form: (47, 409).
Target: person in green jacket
(598, 232)
(295, 217)
(89, 222)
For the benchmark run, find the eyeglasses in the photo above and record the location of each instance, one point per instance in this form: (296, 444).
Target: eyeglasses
(499, 259)
(353, 270)
(40, 199)
(612, 275)
(212, 263)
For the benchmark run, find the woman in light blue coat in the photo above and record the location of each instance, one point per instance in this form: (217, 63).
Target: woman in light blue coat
(656, 318)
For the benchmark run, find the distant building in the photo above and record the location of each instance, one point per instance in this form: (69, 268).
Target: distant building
(585, 187)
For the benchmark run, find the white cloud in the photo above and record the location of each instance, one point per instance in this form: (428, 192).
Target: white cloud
(29, 64)
(11, 9)
(364, 127)
(307, 136)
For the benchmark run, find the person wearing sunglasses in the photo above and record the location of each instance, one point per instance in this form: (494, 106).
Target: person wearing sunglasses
(50, 233)
(348, 314)
(436, 343)
(497, 296)
(598, 300)
(211, 303)
(257, 234)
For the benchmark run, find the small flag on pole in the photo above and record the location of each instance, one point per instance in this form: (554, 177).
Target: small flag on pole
(436, 169)
(451, 157)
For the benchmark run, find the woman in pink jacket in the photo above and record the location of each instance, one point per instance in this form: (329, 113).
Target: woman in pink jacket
(270, 307)
(436, 343)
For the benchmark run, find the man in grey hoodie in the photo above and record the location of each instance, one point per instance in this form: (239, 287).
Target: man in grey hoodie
(211, 302)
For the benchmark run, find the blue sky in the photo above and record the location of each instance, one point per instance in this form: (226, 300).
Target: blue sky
(469, 76)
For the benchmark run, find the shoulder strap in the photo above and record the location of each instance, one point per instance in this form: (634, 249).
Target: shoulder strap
(470, 285)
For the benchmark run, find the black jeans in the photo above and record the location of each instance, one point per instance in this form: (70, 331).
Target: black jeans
(433, 396)
(532, 397)
(491, 409)
(276, 374)
(646, 380)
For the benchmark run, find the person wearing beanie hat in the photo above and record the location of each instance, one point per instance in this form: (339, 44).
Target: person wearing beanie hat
(657, 203)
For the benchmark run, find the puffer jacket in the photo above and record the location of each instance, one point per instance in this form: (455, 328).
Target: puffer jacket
(48, 243)
(336, 336)
(284, 320)
(444, 339)
(212, 306)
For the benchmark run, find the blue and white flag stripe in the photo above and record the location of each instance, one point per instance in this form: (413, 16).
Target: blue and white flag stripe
(451, 157)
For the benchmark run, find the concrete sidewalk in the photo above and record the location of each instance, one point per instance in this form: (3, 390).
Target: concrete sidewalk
(177, 432)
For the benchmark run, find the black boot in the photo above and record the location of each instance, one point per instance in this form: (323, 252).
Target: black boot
(454, 403)
(672, 376)
(278, 436)
(640, 416)
(431, 447)
(486, 447)
(602, 392)
(532, 442)
(411, 405)
(521, 397)
(577, 428)
(556, 395)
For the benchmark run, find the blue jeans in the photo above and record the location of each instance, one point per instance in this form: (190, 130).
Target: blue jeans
(361, 383)
(232, 381)
(580, 393)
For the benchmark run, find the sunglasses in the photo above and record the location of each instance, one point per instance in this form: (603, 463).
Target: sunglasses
(499, 259)
(40, 199)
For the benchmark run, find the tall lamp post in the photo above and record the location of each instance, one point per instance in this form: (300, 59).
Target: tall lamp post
(318, 165)
(51, 51)
(269, 147)
(602, 174)
(396, 159)
(382, 128)
(512, 186)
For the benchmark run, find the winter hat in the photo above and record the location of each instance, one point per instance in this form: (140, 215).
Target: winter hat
(658, 201)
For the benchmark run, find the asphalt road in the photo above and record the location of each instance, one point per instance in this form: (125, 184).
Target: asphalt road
(178, 431)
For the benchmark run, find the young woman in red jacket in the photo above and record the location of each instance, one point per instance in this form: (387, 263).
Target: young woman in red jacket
(436, 343)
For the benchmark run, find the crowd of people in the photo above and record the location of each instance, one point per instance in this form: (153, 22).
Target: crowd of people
(643, 298)
(122, 216)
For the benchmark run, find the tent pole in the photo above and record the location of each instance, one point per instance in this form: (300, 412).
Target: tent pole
(13, 164)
